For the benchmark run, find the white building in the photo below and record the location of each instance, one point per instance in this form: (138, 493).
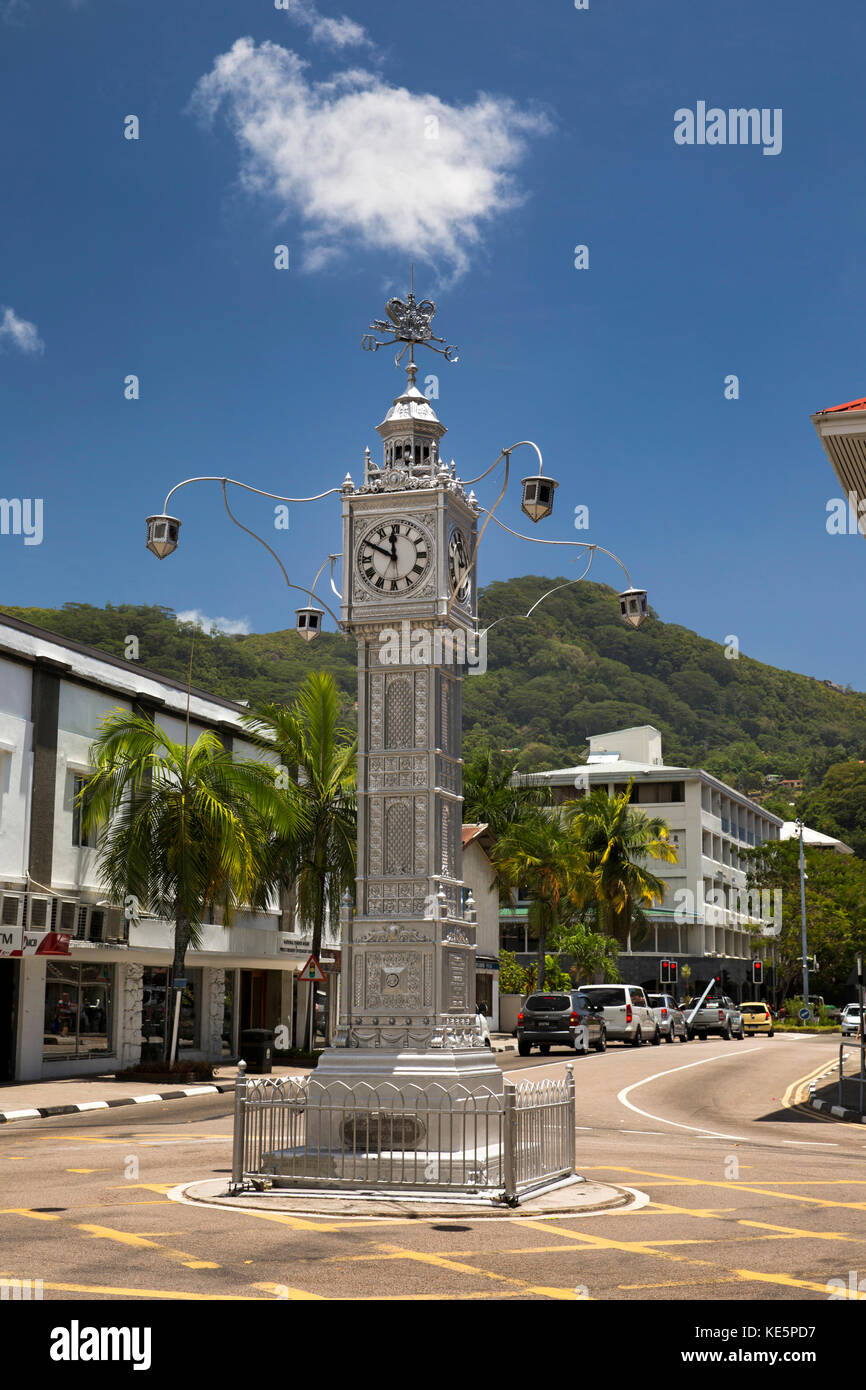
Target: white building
(479, 878)
(705, 918)
(91, 1010)
(813, 839)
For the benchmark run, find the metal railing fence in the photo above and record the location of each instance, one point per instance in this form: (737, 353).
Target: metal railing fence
(294, 1132)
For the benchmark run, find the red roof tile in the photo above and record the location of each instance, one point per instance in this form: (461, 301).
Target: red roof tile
(849, 405)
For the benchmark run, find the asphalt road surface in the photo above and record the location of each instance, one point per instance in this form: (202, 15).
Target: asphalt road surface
(741, 1194)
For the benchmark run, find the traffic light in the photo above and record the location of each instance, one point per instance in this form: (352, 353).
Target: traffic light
(672, 971)
(665, 972)
(757, 972)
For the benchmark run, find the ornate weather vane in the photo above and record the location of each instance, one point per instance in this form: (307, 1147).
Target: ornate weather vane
(410, 324)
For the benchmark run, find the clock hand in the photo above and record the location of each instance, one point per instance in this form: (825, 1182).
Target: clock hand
(381, 550)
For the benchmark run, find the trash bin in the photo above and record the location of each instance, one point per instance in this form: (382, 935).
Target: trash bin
(257, 1049)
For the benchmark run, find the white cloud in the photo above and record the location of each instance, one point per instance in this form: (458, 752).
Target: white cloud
(19, 332)
(230, 626)
(363, 162)
(338, 33)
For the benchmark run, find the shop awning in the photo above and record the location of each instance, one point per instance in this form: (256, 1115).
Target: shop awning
(17, 941)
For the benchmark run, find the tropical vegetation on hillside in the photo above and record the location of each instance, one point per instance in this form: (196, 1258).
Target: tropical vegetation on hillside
(835, 914)
(574, 670)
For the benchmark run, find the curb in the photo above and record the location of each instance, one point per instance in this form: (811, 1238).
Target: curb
(412, 1205)
(47, 1112)
(839, 1111)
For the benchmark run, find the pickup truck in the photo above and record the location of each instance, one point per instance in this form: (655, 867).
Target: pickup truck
(718, 1015)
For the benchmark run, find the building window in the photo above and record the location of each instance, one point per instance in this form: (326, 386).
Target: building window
(158, 1003)
(79, 1002)
(512, 935)
(654, 793)
(84, 839)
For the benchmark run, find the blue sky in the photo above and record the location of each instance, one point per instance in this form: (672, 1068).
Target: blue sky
(155, 257)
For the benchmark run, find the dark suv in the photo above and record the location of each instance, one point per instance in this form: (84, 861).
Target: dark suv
(569, 1020)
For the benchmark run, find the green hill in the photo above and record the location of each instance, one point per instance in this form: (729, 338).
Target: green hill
(572, 670)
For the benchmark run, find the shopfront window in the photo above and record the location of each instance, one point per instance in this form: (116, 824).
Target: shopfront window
(158, 1001)
(153, 1005)
(79, 1000)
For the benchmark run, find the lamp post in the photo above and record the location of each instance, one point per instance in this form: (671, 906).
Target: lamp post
(803, 919)
(409, 562)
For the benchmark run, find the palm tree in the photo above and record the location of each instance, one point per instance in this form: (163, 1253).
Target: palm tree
(539, 855)
(618, 841)
(492, 795)
(316, 752)
(179, 825)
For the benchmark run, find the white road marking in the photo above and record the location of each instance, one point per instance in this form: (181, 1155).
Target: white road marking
(813, 1143)
(622, 1096)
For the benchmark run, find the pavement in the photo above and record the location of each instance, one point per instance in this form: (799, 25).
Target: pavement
(848, 1101)
(33, 1100)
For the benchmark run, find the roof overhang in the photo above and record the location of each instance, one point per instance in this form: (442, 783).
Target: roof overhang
(842, 432)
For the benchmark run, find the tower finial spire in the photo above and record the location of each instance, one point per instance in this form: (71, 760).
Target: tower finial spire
(410, 324)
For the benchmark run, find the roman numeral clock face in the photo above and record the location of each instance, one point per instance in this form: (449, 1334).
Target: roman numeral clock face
(394, 556)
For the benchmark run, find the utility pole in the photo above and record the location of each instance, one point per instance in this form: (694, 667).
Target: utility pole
(803, 919)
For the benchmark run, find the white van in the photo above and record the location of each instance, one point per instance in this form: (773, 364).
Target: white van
(627, 1013)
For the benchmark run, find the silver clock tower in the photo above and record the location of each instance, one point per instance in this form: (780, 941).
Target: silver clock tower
(410, 600)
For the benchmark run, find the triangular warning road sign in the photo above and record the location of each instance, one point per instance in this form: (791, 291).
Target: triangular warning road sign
(311, 970)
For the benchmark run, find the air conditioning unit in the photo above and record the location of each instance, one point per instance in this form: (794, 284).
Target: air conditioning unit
(116, 925)
(65, 917)
(90, 922)
(11, 909)
(40, 911)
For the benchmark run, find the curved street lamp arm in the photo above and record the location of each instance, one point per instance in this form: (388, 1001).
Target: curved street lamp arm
(289, 583)
(537, 540)
(330, 560)
(334, 588)
(505, 452)
(522, 617)
(567, 584)
(214, 478)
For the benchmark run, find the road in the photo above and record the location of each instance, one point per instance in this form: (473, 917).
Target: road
(740, 1195)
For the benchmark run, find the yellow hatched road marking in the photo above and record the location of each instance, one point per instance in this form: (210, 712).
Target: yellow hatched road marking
(141, 1242)
(732, 1186)
(293, 1295)
(397, 1252)
(746, 1275)
(107, 1290)
(130, 1186)
(25, 1211)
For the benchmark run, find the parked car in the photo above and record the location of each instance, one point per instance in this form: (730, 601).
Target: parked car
(627, 1014)
(719, 1016)
(757, 1017)
(564, 1020)
(850, 1020)
(670, 1017)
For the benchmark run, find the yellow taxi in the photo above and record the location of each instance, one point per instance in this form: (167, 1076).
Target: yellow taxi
(757, 1017)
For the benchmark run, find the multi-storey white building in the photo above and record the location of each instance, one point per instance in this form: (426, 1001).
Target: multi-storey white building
(92, 1007)
(705, 918)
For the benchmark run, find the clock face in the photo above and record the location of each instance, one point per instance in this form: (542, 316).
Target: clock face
(458, 566)
(394, 556)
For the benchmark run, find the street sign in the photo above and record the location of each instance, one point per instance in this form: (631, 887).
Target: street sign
(313, 971)
(805, 1013)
